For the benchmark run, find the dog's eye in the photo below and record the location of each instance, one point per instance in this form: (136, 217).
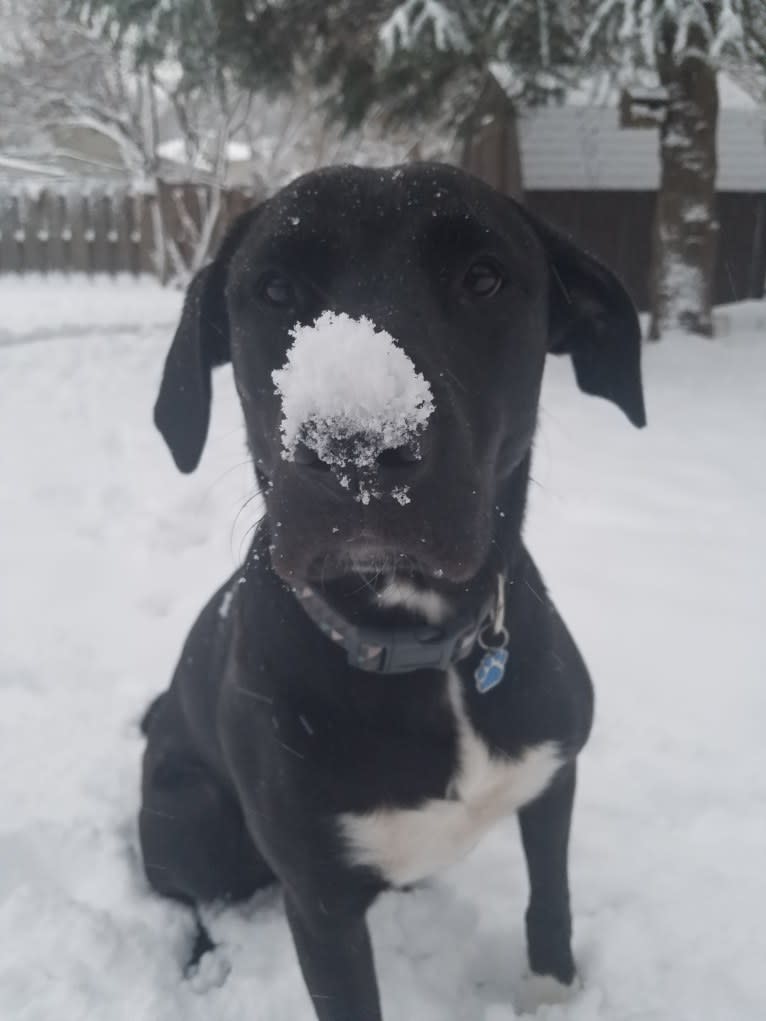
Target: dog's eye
(484, 279)
(277, 290)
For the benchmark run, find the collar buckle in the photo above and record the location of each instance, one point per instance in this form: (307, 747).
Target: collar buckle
(406, 650)
(400, 650)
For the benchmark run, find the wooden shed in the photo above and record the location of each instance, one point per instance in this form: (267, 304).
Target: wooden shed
(597, 180)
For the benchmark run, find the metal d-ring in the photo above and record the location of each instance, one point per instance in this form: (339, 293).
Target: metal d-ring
(497, 625)
(502, 633)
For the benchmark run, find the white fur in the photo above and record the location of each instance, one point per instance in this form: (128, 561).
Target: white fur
(432, 606)
(406, 845)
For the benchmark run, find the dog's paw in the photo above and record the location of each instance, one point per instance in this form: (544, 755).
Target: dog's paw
(544, 991)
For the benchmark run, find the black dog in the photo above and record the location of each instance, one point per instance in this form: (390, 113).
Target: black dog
(378, 684)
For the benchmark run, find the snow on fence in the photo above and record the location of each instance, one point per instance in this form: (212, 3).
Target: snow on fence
(102, 229)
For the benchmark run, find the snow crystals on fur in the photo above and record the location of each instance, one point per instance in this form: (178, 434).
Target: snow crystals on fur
(349, 392)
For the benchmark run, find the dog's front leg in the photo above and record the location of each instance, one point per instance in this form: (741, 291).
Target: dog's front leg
(335, 956)
(545, 834)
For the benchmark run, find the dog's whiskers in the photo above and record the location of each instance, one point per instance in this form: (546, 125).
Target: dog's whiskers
(327, 484)
(454, 378)
(292, 751)
(367, 583)
(254, 495)
(224, 474)
(256, 695)
(535, 593)
(250, 531)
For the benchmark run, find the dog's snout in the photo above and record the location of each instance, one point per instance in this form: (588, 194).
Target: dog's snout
(304, 456)
(398, 457)
(344, 457)
(348, 468)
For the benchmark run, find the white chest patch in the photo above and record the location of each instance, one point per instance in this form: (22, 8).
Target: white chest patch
(430, 605)
(406, 845)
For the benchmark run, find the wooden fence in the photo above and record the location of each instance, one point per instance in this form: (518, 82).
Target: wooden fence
(616, 226)
(112, 231)
(102, 230)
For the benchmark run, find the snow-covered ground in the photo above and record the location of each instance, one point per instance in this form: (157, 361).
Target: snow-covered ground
(653, 545)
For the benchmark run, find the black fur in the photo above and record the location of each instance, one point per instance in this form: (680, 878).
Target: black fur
(266, 733)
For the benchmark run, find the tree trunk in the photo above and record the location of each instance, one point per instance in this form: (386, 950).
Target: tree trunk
(685, 228)
(161, 254)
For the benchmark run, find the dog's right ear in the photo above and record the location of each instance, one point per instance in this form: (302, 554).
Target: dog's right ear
(201, 342)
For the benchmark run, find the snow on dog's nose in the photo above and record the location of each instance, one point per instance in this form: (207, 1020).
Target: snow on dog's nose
(352, 396)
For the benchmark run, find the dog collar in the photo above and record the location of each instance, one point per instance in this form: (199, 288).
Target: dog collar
(401, 650)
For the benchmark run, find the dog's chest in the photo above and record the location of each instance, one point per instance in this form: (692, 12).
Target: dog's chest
(407, 844)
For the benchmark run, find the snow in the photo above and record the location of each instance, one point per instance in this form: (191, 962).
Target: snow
(652, 543)
(722, 31)
(414, 20)
(732, 96)
(176, 150)
(28, 167)
(682, 288)
(36, 308)
(349, 392)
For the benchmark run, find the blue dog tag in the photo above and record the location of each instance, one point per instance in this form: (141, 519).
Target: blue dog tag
(491, 670)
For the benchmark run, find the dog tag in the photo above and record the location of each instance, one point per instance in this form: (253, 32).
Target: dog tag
(491, 670)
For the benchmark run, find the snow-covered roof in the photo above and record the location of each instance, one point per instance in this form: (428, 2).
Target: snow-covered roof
(577, 147)
(602, 90)
(174, 149)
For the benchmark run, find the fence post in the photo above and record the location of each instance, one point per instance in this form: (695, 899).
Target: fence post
(757, 277)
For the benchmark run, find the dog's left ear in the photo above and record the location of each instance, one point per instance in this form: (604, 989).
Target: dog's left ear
(593, 319)
(201, 342)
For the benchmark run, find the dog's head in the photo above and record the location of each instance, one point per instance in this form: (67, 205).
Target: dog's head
(473, 288)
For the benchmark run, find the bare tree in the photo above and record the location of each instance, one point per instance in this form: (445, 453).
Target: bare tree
(57, 69)
(294, 132)
(208, 117)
